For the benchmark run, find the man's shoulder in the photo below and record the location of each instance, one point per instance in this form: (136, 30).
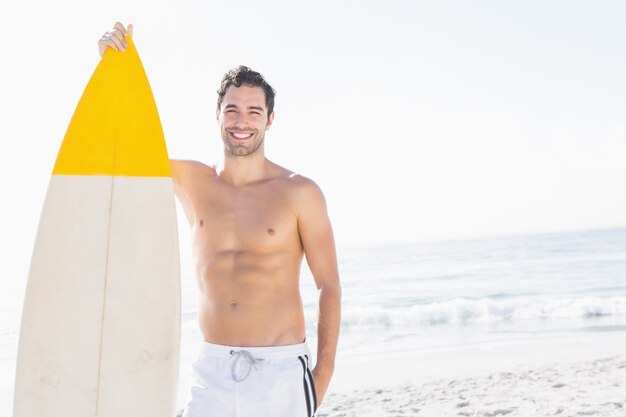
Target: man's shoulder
(302, 190)
(303, 184)
(294, 181)
(183, 166)
(306, 196)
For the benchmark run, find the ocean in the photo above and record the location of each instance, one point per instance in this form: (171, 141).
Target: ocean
(454, 293)
(444, 294)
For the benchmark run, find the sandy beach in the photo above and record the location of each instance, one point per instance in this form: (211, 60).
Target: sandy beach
(587, 388)
(565, 376)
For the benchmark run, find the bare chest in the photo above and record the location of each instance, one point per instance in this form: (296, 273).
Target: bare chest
(257, 219)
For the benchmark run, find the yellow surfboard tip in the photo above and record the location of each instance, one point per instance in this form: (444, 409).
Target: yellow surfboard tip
(115, 129)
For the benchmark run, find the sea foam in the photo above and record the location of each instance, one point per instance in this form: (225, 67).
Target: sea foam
(464, 311)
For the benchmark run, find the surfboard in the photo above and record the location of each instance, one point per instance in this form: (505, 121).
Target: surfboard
(100, 331)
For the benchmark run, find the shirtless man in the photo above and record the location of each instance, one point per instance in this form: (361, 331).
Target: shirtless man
(252, 222)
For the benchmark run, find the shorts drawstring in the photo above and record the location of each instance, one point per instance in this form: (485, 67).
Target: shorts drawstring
(250, 359)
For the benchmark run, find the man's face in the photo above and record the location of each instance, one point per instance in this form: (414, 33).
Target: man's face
(243, 119)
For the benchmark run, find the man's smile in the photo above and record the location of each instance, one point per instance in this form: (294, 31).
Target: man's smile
(240, 135)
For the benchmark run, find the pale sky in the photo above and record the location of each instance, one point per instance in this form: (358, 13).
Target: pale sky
(419, 120)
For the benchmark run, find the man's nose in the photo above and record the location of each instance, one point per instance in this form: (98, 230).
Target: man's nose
(242, 119)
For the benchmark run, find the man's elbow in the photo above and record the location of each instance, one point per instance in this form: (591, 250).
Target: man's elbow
(331, 288)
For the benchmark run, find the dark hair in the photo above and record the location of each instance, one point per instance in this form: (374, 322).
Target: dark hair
(243, 75)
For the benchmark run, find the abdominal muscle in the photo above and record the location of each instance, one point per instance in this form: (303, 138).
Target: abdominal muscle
(250, 300)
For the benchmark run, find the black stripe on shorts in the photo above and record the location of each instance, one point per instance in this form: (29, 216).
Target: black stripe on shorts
(306, 386)
(312, 382)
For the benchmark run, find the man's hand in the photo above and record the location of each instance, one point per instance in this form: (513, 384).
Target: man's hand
(321, 379)
(114, 39)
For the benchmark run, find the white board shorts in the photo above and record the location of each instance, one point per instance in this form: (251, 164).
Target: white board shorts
(230, 381)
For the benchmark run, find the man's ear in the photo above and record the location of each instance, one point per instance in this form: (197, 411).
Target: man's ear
(269, 121)
(217, 113)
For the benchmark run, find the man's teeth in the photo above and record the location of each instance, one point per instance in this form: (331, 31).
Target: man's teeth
(242, 135)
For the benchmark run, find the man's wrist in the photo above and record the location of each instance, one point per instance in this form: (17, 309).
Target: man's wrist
(324, 368)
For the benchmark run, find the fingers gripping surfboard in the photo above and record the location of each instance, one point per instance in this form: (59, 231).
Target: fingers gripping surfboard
(100, 327)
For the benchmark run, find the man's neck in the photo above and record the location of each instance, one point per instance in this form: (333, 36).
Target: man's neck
(242, 170)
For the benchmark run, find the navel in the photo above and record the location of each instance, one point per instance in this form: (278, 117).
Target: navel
(201, 222)
(233, 306)
(271, 232)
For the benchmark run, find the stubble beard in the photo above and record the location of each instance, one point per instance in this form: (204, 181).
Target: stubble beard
(247, 148)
